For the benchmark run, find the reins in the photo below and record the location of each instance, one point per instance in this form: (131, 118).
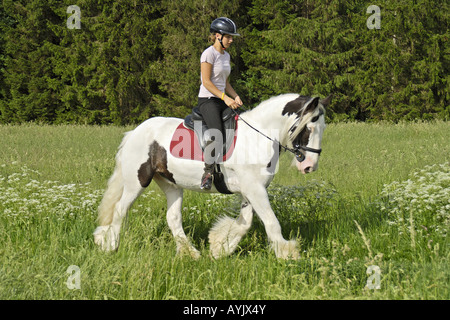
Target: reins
(296, 150)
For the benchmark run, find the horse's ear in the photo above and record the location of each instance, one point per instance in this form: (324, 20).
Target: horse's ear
(326, 102)
(312, 105)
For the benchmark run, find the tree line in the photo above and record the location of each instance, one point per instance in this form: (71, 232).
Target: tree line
(129, 60)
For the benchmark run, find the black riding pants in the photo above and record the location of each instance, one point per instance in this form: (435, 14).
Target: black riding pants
(211, 110)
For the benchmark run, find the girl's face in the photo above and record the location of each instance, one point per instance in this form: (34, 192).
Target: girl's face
(227, 40)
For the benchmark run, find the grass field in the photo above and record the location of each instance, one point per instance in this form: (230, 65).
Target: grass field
(381, 198)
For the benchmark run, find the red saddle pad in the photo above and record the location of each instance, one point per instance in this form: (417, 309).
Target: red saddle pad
(185, 145)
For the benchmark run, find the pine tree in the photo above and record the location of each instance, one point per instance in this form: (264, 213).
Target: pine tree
(305, 49)
(322, 47)
(107, 62)
(401, 72)
(131, 60)
(6, 22)
(28, 84)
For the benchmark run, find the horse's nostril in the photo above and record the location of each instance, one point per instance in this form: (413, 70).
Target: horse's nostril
(307, 169)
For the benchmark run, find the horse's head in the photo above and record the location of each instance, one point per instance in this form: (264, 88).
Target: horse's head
(305, 134)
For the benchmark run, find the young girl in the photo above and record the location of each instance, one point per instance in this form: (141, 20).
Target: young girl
(216, 94)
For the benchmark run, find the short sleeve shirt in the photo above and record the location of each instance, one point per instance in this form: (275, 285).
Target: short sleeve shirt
(221, 69)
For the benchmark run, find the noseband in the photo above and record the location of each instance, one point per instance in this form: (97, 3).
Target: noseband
(299, 155)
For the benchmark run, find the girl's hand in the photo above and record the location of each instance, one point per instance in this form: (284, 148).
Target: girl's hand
(238, 101)
(231, 103)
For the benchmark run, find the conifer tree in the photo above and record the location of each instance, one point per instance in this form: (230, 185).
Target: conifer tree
(131, 60)
(29, 84)
(107, 63)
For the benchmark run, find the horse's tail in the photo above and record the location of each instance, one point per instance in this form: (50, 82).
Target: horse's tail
(114, 191)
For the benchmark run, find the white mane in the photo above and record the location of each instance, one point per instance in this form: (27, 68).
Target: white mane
(269, 114)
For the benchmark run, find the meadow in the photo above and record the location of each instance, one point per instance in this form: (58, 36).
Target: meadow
(372, 222)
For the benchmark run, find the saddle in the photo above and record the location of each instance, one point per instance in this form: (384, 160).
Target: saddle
(190, 137)
(229, 118)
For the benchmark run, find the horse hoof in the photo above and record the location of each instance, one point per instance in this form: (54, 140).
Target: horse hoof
(105, 238)
(188, 251)
(185, 248)
(286, 250)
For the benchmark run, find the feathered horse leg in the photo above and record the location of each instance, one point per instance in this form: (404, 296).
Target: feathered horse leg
(226, 233)
(174, 197)
(284, 249)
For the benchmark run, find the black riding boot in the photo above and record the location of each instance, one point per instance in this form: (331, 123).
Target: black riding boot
(210, 162)
(207, 177)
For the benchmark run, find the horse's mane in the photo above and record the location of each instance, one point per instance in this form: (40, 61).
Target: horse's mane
(296, 118)
(301, 121)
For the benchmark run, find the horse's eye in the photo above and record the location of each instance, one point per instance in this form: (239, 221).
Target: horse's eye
(315, 118)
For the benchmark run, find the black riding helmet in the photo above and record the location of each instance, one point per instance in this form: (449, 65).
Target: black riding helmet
(224, 26)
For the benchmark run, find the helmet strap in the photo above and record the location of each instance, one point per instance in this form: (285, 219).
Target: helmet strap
(220, 40)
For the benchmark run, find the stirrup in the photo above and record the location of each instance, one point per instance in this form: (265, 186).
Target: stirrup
(206, 181)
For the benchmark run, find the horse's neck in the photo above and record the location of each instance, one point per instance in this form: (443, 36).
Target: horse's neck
(268, 115)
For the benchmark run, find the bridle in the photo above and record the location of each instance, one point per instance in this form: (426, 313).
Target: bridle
(300, 156)
(297, 150)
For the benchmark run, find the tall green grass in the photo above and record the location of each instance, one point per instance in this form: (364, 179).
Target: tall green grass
(344, 215)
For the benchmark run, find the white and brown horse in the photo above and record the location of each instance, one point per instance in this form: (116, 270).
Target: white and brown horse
(292, 122)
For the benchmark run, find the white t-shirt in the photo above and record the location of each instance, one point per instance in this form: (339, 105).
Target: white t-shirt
(220, 71)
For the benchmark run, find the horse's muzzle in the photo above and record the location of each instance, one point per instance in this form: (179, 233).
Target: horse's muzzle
(306, 166)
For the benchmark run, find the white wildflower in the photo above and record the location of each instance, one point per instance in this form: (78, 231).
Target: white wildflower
(424, 198)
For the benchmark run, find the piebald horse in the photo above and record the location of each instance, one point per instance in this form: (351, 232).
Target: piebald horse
(290, 122)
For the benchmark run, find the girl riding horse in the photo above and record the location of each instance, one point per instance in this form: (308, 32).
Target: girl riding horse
(212, 97)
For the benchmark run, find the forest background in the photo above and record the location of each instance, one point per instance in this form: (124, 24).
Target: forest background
(133, 59)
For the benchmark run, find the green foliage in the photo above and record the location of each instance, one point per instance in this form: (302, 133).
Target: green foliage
(135, 59)
(420, 204)
(99, 73)
(397, 72)
(302, 203)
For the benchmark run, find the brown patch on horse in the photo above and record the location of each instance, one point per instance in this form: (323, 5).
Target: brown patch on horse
(156, 163)
(303, 137)
(297, 106)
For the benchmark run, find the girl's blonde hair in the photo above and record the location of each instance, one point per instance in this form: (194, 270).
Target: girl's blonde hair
(212, 37)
